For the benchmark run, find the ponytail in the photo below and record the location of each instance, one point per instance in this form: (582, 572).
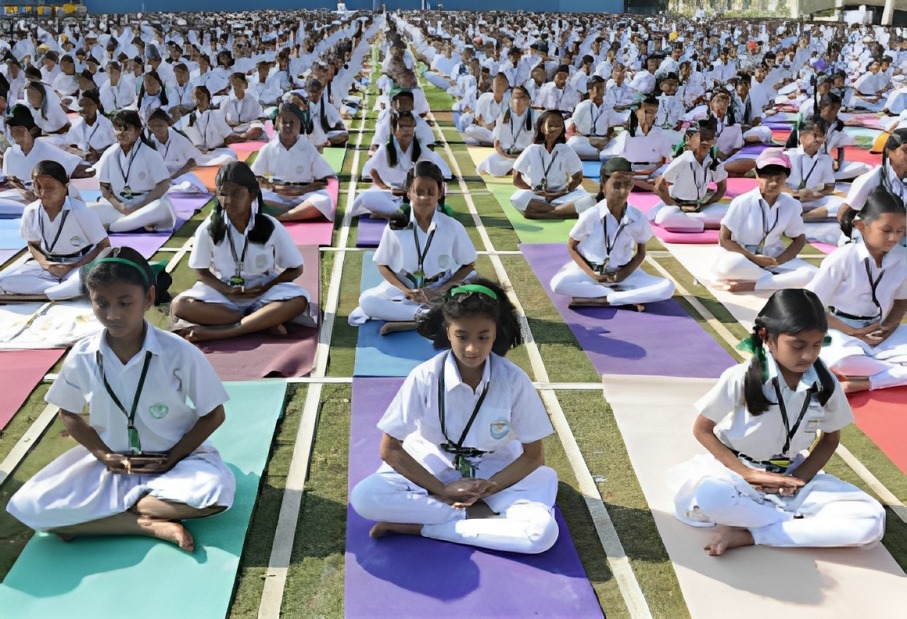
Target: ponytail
(756, 373)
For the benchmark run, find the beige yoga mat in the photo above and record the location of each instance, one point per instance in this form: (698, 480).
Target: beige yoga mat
(480, 154)
(758, 582)
(698, 260)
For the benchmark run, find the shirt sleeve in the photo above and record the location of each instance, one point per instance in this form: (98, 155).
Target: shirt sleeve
(286, 254)
(673, 170)
(719, 174)
(203, 385)
(464, 252)
(830, 274)
(202, 254)
(157, 169)
(404, 412)
(838, 413)
(388, 252)
(262, 163)
(583, 226)
(529, 418)
(725, 397)
(69, 389)
(91, 225)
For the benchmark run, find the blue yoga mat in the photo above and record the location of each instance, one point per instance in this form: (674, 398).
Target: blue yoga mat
(592, 169)
(139, 577)
(9, 234)
(386, 355)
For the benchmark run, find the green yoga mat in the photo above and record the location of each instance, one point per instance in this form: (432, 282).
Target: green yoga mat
(530, 230)
(138, 577)
(334, 156)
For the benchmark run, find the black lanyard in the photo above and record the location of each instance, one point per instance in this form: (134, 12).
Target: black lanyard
(790, 432)
(546, 170)
(522, 124)
(97, 125)
(705, 175)
(238, 261)
(420, 254)
(609, 244)
(460, 461)
(50, 246)
(803, 179)
(763, 206)
(873, 284)
(595, 118)
(204, 131)
(134, 440)
(135, 150)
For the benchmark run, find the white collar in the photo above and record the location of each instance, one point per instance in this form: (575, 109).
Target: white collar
(452, 377)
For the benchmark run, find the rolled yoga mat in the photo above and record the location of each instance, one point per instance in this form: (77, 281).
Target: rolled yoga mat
(144, 578)
(261, 355)
(386, 355)
(409, 576)
(661, 341)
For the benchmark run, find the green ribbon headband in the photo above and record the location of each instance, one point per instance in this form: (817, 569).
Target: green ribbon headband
(471, 288)
(134, 265)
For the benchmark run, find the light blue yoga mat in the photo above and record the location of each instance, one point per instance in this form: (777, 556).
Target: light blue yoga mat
(9, 234)
(592, 169)
(138, 577)
(386, 355)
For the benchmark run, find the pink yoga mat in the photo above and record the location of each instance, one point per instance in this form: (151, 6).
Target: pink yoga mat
(22, 370)
(262, 355)
(405, 576)
(880, 415)
(646, 201)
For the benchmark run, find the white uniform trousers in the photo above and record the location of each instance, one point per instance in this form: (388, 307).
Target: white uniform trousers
(885, 365)
(673, 219)
(731, 266)
(159, 215)
(583, 199)
(436, 80)
(31, 278)
(826, 512)
(320, 199)
(850, 170)
(526, 523)
(376, 200)
(584, 148)
(77, 488)
(496, 164)
(482, 136)
(638, 287)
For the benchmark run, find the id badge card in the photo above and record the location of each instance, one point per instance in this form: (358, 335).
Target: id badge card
(466, 469)
(127, 193)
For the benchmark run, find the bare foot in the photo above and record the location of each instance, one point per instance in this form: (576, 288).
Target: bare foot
(168, 531)
(203, 333)
(589, 302)
(854, 384)
(383, 528)
(726, 538)
(278, 330)
(394, 326)
(733, 285)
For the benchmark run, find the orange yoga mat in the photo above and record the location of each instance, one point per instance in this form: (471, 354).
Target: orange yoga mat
(882, 416)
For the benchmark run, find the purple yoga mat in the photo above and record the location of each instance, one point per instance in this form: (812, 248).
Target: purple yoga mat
(661, 341)
(370, 231)
(406, 576)
(260, 355)
(146, 243)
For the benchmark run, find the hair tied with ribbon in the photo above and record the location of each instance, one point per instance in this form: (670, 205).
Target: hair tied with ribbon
(755, 345)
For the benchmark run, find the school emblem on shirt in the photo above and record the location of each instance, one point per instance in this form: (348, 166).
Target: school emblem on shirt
(443, 261)
(142, 175)
(500, 429)
(159, 410)
(76, 241)
(261, 261)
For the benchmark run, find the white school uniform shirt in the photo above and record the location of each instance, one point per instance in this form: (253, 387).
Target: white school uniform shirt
(488, 110)
(262, 262)
(590, 119)
(864, 185)
(728, 138)
(239, 111)
(842, 281)
(836, 137)
(424, 133)
(56, 117)
(18, 164)
(450, 248)
(818, 171)
(623, 236)
(177, 151)
(751, 221)
(761, 437)
(670, 110)
(117, 97)
(181, 387)
(301, 163)
(76, 228)
(689, 179)
(66, 85)
(141, 170)
(653, 147)
(208, 129)
(180, 95)
(869, 84)
(643, 82)
(395, 176)
(513, 133)
(618, 95)
(511, 414)
(98, 136)
(561, 164)
(552, 98)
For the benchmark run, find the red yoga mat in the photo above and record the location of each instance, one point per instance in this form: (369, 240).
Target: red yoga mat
(881, 416)
(22, 370)
(261, 355)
